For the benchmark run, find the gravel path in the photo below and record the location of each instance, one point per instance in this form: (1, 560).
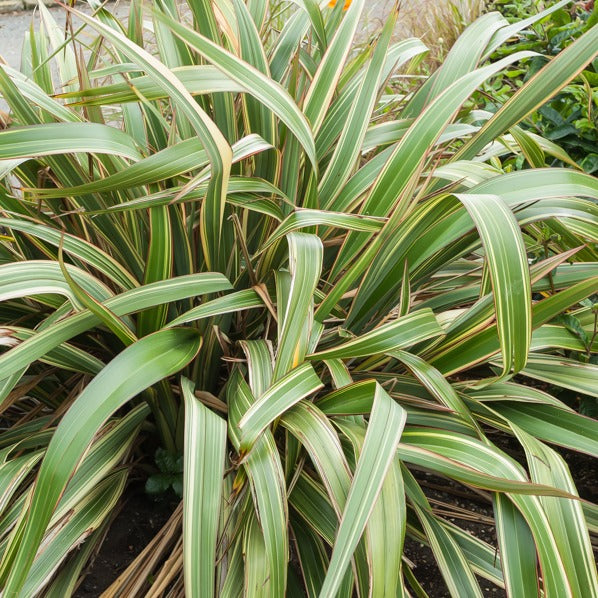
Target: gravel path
(14, 25)
(413, 14)
(416, 17)
(12, 30)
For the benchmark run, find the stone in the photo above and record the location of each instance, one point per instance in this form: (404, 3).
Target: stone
(10, 5)
(29, 4)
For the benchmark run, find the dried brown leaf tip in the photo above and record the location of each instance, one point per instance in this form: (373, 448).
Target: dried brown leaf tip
(5, 120)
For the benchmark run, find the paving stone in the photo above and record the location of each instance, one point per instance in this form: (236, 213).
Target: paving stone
(34, 3)
(10, 5)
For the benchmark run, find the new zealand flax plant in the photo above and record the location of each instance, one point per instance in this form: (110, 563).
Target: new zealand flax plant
(254, 249)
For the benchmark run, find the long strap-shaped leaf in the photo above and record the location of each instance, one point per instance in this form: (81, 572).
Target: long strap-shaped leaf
(266, 476)
(86, 516)
(436, 384)
(296, 317)
(463, 57)
(518, 552)
(267, 91)
(493, 462)
(144, 363)
(379, 449)
(567, 373)
(509, 272)
(65, 138)
(205, 448)
(317, 435)
(326, 78)
(400, 333)
(304, 218)
(505, 33)
(315, 432)
(451, 560)
(389, 192)
(564, 515)
(197, 79)
(338, 113)
(36, 277)
(126, 303)
(551, 423)
(165, 164)
(216, 146)
(232, 302)
(281, 396)
(385, 530)
(114, 324)
(79, 248)
(424, 234)
(473, 347)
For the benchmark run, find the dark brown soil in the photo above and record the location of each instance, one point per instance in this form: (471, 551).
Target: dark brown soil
(139, 519)
(439, 490)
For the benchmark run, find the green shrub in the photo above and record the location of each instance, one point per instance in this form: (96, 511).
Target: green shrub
(232, 249)
(570, 118)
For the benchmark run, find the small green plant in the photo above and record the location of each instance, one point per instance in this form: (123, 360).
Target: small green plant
(240, 245)
(169, 475)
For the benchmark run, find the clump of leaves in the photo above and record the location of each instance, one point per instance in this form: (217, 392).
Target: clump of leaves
(216, 241)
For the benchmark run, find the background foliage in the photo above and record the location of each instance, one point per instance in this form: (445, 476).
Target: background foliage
(570, 118)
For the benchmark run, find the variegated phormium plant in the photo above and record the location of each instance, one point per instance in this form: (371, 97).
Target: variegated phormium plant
(254, 246)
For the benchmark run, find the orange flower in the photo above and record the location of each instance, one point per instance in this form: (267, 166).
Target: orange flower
(332, 4)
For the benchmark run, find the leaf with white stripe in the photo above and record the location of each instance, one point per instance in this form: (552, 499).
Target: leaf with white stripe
(565, 516)
(264, 470)
(509, 273)
(401, 333)
(281, 396)
(264, 89)
(379, 449)
(295, 317)
(205, 448)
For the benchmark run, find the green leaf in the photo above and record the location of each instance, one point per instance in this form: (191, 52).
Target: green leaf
(116, 325)
(265, 90)
(136, 368)
(65, 138)
(299, 383)
(84, 518)
(553, 424)
(509, 273)
(296, 321)
(205, 448)
(565, 516)
(400, 333)
(379, 449)
(79, 248)
(315, 432)
(266, 476)
(542, 86)
(237, 301)
(128, 302)
(216, 146)
(304, 218)
(327, 75)
(567, 373)
(517, 549)
(198, 80)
